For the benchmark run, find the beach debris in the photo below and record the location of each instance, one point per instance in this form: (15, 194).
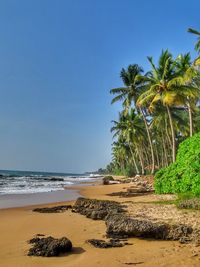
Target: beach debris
(56, 209)
(98, 243)
(49, 246)
(97, 209)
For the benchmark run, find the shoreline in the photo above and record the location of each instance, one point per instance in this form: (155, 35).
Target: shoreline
(69, 193)
(18, 225)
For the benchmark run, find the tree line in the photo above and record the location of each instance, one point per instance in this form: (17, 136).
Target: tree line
(160, 109)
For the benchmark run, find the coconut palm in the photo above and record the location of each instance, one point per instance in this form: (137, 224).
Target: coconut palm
(120, 153)
(197, 45)
(170, 83)
(189, 89)
(130, 126)
(161, 89)
(129, 94)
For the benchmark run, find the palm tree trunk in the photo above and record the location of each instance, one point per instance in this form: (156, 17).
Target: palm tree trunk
(165, 151)
(141, 161)
(157, 157)
(146, 156)
(173, 134)
(134, 161)
(168, 137)
(190, 118)
(150, 142)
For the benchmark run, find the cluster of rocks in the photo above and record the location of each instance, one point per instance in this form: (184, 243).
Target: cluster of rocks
(97, 209)
(56, 209)
(49, 246)
(120, 225)
(139, 185)
(190, 204)
(124, 226)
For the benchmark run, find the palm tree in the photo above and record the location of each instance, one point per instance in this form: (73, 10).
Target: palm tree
(130, 127)
(161, 89)
(197, 45)
(129, 94)
(190, 91)
(120, 153)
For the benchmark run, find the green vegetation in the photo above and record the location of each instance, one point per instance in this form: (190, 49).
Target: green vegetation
(183, 175)
(160, 109)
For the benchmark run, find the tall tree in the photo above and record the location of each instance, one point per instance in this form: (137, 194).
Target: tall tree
(161, 89)
(129, 94)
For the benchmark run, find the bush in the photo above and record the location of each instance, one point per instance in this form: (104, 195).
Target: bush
(184, 175)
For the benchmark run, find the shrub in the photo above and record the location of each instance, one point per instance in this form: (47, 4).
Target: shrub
(183, 175)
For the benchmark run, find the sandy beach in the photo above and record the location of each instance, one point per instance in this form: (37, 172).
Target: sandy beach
(18, 225)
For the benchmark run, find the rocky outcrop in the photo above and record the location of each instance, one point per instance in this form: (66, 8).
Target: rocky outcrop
(106, 244)
(124, 226)
(119, 225)
(133, 191)
(56, 209)
(49, 246)
(97, 209)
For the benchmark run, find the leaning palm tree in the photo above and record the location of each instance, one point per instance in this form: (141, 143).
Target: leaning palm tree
(129, 94)
(160, 89)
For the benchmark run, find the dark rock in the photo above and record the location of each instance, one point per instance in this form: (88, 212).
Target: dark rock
(123, 226)
(55, 209)
(56, 179)
(106, 180)
(40, 235)
(49, 246)
(97, 209)
(34, 240)
(106, 244)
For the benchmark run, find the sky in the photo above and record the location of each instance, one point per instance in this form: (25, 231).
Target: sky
(58, 62)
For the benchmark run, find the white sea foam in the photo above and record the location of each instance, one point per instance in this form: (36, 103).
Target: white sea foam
(37, 183)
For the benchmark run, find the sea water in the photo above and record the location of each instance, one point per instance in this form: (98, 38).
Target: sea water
(26, 182)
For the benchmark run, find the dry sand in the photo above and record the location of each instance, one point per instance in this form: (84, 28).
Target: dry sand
(20, 224)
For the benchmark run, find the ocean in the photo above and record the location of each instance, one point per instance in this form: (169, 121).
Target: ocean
(27, 182)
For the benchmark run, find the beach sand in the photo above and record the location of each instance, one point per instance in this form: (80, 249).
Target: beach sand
(18, 225)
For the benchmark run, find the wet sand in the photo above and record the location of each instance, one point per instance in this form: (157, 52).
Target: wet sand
(17, 225)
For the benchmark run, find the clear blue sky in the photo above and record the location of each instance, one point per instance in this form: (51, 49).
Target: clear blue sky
(58, 61)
